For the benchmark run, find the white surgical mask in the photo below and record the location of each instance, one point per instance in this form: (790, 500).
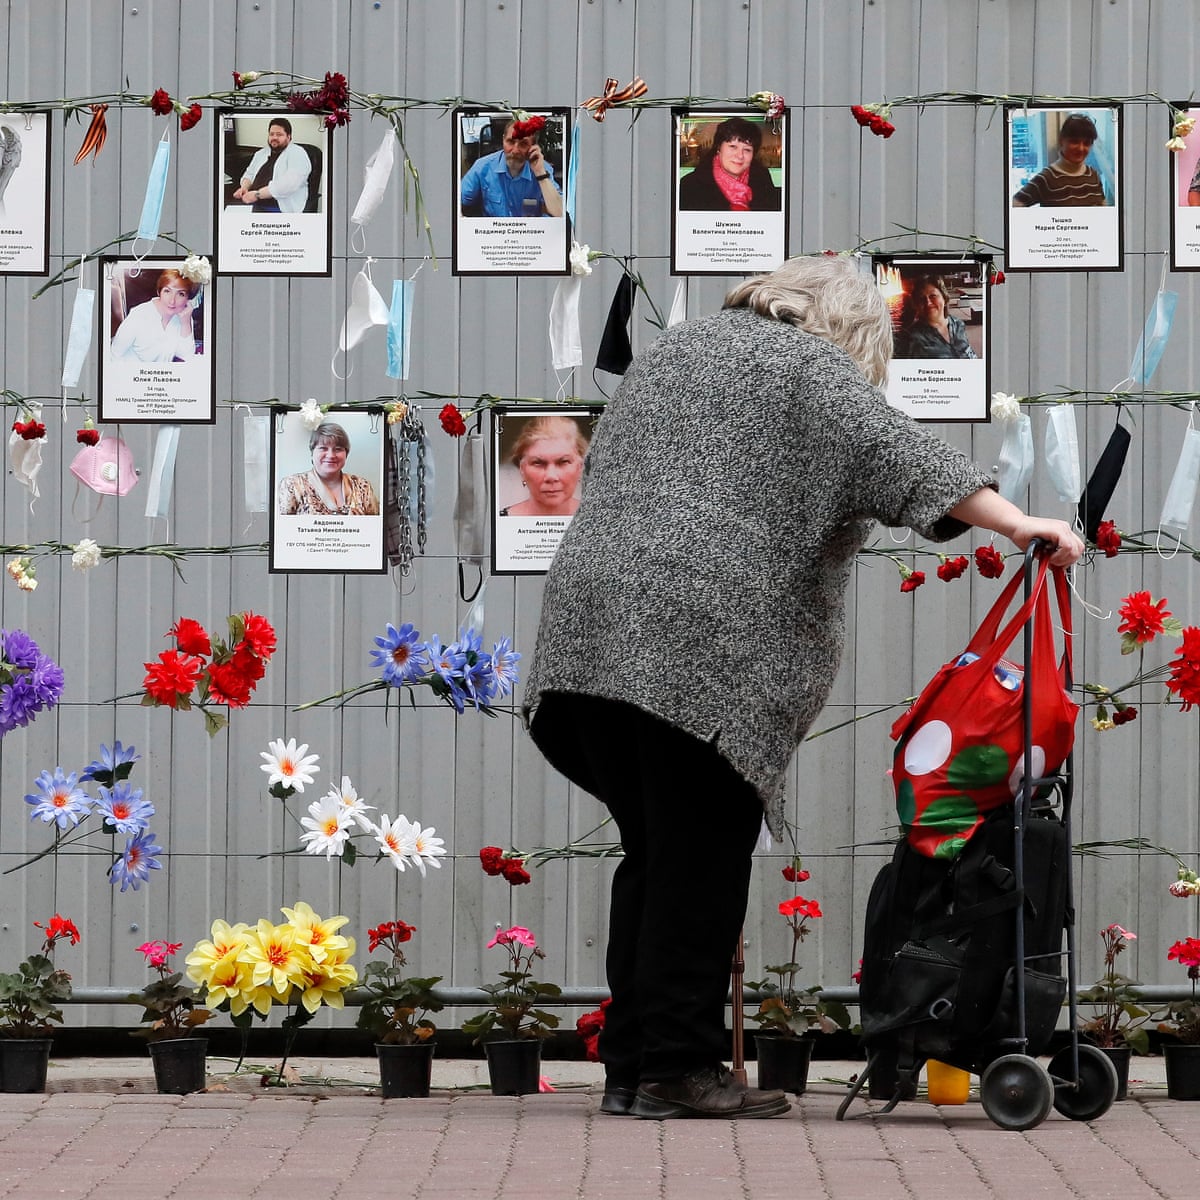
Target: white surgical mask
(1016, 458)
(1062, 453)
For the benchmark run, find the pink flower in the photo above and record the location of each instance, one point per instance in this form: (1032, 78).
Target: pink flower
(157, 953)
(518, 933)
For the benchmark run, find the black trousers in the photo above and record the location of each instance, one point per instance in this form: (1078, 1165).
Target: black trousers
(688, 824)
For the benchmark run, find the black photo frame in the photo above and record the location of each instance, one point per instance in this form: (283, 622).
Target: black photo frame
(25, 193)
(1184, 182)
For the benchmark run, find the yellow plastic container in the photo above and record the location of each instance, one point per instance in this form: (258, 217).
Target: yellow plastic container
(946, 1084)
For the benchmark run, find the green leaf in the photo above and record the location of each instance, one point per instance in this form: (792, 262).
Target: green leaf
(214, 722)
(1129, 643)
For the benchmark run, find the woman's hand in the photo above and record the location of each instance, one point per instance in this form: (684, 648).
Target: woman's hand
(989, 510)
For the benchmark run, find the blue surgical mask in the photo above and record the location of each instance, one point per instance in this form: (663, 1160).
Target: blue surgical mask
(156, 186)
(79, 339)
(399, 333)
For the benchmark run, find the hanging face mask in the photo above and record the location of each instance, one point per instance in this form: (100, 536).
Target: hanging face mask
(80, 337)
(107, 467)
(376, 173)
(1103, 481)
(366, 310)
(1016, 458)
(399, 323)
(1181, 495)
(1062, 453)
(156, 186)
(1154, 337)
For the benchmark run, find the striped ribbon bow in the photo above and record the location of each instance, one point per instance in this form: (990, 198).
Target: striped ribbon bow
(97, 131)
(597, 105)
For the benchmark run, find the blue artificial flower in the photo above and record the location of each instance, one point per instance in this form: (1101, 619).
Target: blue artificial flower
(112, 764)
(46, 679)
(61, 800)
(504, 664)
(133, 868)
(19, 648)
(124, 808)
(479, 680)
(446, 663)
(400, 654)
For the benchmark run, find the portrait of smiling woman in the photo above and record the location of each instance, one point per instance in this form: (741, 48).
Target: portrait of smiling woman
(328, 488)
(730, 175)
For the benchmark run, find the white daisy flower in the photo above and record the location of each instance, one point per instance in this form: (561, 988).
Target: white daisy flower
(398, 840)
(286, 764)
(346, 798)
(426, 848)
(327, 827)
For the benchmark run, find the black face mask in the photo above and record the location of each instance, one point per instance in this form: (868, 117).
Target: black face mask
(1103, 481)
(616, 351)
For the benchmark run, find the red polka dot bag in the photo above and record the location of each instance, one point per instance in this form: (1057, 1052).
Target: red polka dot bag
(960, 748)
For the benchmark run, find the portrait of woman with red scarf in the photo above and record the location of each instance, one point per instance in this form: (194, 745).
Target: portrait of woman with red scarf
(729, 176)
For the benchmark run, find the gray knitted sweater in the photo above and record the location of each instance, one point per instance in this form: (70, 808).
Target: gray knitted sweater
(730, 483)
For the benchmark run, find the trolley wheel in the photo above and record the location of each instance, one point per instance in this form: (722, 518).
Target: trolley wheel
(1090, 1096)
(1016, 1092)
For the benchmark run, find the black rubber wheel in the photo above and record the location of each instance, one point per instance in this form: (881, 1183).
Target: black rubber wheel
(1093, 1095)
(1016, 1092)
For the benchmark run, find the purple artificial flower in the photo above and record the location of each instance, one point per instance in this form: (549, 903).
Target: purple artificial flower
(504, 664)
(19, 703)
(124, 808)
(61, 800)
(112, 764)
(19, 648)
(400, 654)
(133, 868)
(446, 663)
(46, 678)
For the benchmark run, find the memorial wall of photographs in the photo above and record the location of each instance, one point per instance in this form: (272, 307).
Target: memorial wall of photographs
(512, 170)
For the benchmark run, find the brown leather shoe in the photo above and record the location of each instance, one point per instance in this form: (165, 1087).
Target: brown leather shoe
(706, 1092)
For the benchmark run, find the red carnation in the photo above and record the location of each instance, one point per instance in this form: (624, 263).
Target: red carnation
(997, 277)
(989, 562)
(191, 117)
(87, 437)
(1108, 539)
(191, 637)
(171, 679)
(336, 90)
(30, 430)
(259, 635)
(514, 872)
(912, 581)
(1124, 715)
(530, 128)
(161, 103)
(247, 664)
(794, 874)
(452, 421)
(339, 116)
(1141, 618)
(952, 568)
(227, 685)
(1185, 669)
(492, 860)
(860, 114)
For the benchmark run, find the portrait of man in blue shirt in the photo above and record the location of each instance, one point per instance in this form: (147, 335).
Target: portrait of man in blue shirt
(515, 181)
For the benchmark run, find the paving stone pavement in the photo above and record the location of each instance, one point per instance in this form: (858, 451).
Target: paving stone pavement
(101, 1131)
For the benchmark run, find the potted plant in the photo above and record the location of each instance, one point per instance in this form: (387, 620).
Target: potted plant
(29, 1006)
(1119, 1024)
(1182, 1025)
(787, 1012)
(512, 1028)
(395, 1012)
(171, 1009)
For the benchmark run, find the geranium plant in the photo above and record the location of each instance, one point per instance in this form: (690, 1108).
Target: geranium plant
(1120, 1019)
(170, 1007)
(785, 1008)
(61, 799)
(396, 1009)
(1183, 1017)
(204, 669)
(301, 964)
(30, 996)
(514, 1012)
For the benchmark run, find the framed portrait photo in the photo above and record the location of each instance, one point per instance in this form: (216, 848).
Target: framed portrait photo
(327, 488)
(156, 360)
(1064, 170)
(25, 193)
(273, 211)
(1185, 194)
(729, 191)
(537, 479)
(510, 179)
(940, 331)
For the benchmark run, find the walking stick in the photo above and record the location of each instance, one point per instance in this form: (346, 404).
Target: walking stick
(737, 974)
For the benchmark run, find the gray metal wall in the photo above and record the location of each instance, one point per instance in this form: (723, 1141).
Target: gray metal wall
(479, 781)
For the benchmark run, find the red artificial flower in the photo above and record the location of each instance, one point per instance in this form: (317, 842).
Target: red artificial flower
(238, 81)
(191, 637)
(30, 430)
(997, 277)
(339, 116)
(857, 975)
(1185, 669)
(247, 664)
(860, 114)
(797, 906)
(161, 103)
(1124, 715)
(172, 678)
(1141, 617)
(59, 927)
(228, 685)
(1108, 539)
(776, 106)
(452, 420)
(191, 117)
(794, 874)
(87, 437)
(259, 635)
(989, 562)
(530, 128)
(336, 90)
(912, 581)
(492, 860)
(392, 932)
(302, 102)
(514, 871)
(953, 568)
(1186, 952)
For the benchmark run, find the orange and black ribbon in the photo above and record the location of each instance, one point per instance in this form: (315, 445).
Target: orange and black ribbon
(93, 140)
(597, 105)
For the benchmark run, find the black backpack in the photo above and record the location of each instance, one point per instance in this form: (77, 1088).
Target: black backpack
(939, 959)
